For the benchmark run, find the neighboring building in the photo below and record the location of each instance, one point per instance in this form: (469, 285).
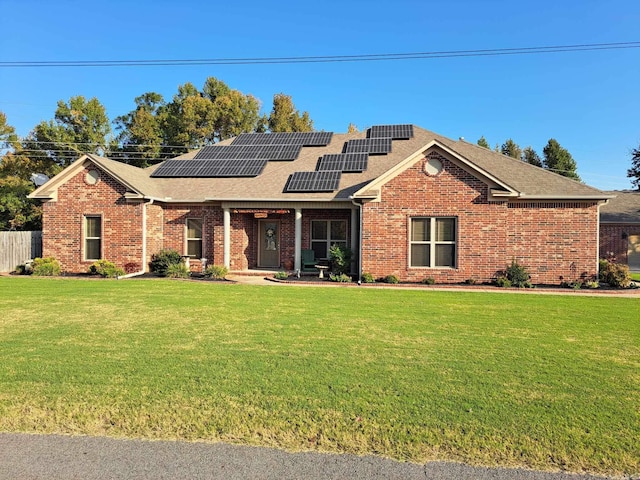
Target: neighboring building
(407, 201)
(620, 229)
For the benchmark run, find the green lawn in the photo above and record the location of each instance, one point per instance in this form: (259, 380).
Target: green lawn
(548, 382)
(635, 276)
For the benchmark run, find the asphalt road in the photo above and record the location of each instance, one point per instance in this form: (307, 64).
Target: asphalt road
(35, 457)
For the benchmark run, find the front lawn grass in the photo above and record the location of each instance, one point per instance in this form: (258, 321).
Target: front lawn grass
(635, 276)
(547, 382)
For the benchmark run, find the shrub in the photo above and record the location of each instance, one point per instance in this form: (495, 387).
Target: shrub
(503, 282)
(340, 259)
(603, 268)
(178, 270)
(46, 267)
(216, 272)
(391, 279)
(161, 261)
(470, 281)
(518, 275)
(281, 275)
(342, 278)
(368, 278)
(105, 269)
(429, 281)
(616, 275)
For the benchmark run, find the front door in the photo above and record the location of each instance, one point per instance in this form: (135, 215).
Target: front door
(269, 250)
(634, 253)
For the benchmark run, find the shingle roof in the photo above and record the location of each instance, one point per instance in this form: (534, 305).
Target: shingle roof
(624, 208)
(519, 177)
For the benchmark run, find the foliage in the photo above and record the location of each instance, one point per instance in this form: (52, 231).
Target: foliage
(17, 212)
(470, 281)
(340, 259)
(216, 272)
(511, 149)
(428, 281)
(281, 275)
(634, 171)
(45, 267)
(285, 118)
(352, 128)
(530, 156)
(518, 275)
(559, 160)
(616, 275)
(391, 279)
(483, 142)
(341, 278)
(368, 278)
(105, 269)
(178, 270)
(502, 281)
(161, 261)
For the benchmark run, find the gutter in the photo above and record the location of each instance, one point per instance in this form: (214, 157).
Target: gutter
(144, 243)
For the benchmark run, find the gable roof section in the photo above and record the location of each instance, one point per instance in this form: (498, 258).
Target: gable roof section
(624, 208)
(507, 176)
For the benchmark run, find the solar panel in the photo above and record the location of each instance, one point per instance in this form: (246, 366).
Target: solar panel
(395, 132)
(248, 152)
(306, 139)
(210, 168)
(368, 145)
(169, 168)
(326, 181)
(345, 162)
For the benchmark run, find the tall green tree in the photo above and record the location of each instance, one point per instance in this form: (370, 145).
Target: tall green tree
(285, 118)
(79, 126)
(634, 171)
(529, 155)
(483, 142)
(511, 149)
(559, 160)
(140, 135)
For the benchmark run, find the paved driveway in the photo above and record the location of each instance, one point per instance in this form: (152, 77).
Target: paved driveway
(36, 457)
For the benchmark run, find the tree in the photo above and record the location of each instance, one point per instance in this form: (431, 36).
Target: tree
(529, 155)
(559, 160)
(483, 142)
(17, 211)
(285, 118)
(352, 128)
(78, 127)
(236, 113)
(634, 171)
(511, 149)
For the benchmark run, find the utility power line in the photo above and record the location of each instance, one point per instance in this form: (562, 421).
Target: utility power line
(324, 58)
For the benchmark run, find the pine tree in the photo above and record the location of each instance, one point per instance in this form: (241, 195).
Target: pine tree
(634, 171)
(483, 142)
(559, 160)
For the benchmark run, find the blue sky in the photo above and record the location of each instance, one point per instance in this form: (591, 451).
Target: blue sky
(588, 101)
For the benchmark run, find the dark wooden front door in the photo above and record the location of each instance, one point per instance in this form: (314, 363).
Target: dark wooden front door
(269, 248)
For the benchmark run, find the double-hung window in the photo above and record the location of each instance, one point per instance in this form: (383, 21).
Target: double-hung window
(326, 233)
(433, 242)
(92, 237)
(194, 237)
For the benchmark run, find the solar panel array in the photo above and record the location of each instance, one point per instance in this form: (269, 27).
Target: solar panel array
(368, 145)
(325, 181)
(210, 168)
(305, 139)
(247, 152)
(395, 132)
(344, 162)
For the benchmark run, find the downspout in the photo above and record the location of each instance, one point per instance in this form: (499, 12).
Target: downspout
(359, 205)
(144, 243)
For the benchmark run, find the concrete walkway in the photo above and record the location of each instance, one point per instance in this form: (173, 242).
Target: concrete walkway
(40, 457)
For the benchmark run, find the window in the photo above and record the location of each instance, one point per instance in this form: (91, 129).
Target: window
(194, 237)
(433, 242)
(92, 238)
(325, 233)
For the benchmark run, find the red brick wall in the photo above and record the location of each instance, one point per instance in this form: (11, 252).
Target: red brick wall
(612, 242)
(554, 240)
(63, 224)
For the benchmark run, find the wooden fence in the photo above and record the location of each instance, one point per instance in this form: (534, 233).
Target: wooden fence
(17, 247)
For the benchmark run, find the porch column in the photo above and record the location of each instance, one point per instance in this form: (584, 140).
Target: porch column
(297, 256)
(226, 242)
(355, 222)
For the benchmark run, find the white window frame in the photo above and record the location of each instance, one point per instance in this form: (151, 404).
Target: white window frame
(329, 240)
(188, 239)
(85, 227)
(433, 243)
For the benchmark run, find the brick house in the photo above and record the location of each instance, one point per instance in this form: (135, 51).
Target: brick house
(620, 228)
(407, 201)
